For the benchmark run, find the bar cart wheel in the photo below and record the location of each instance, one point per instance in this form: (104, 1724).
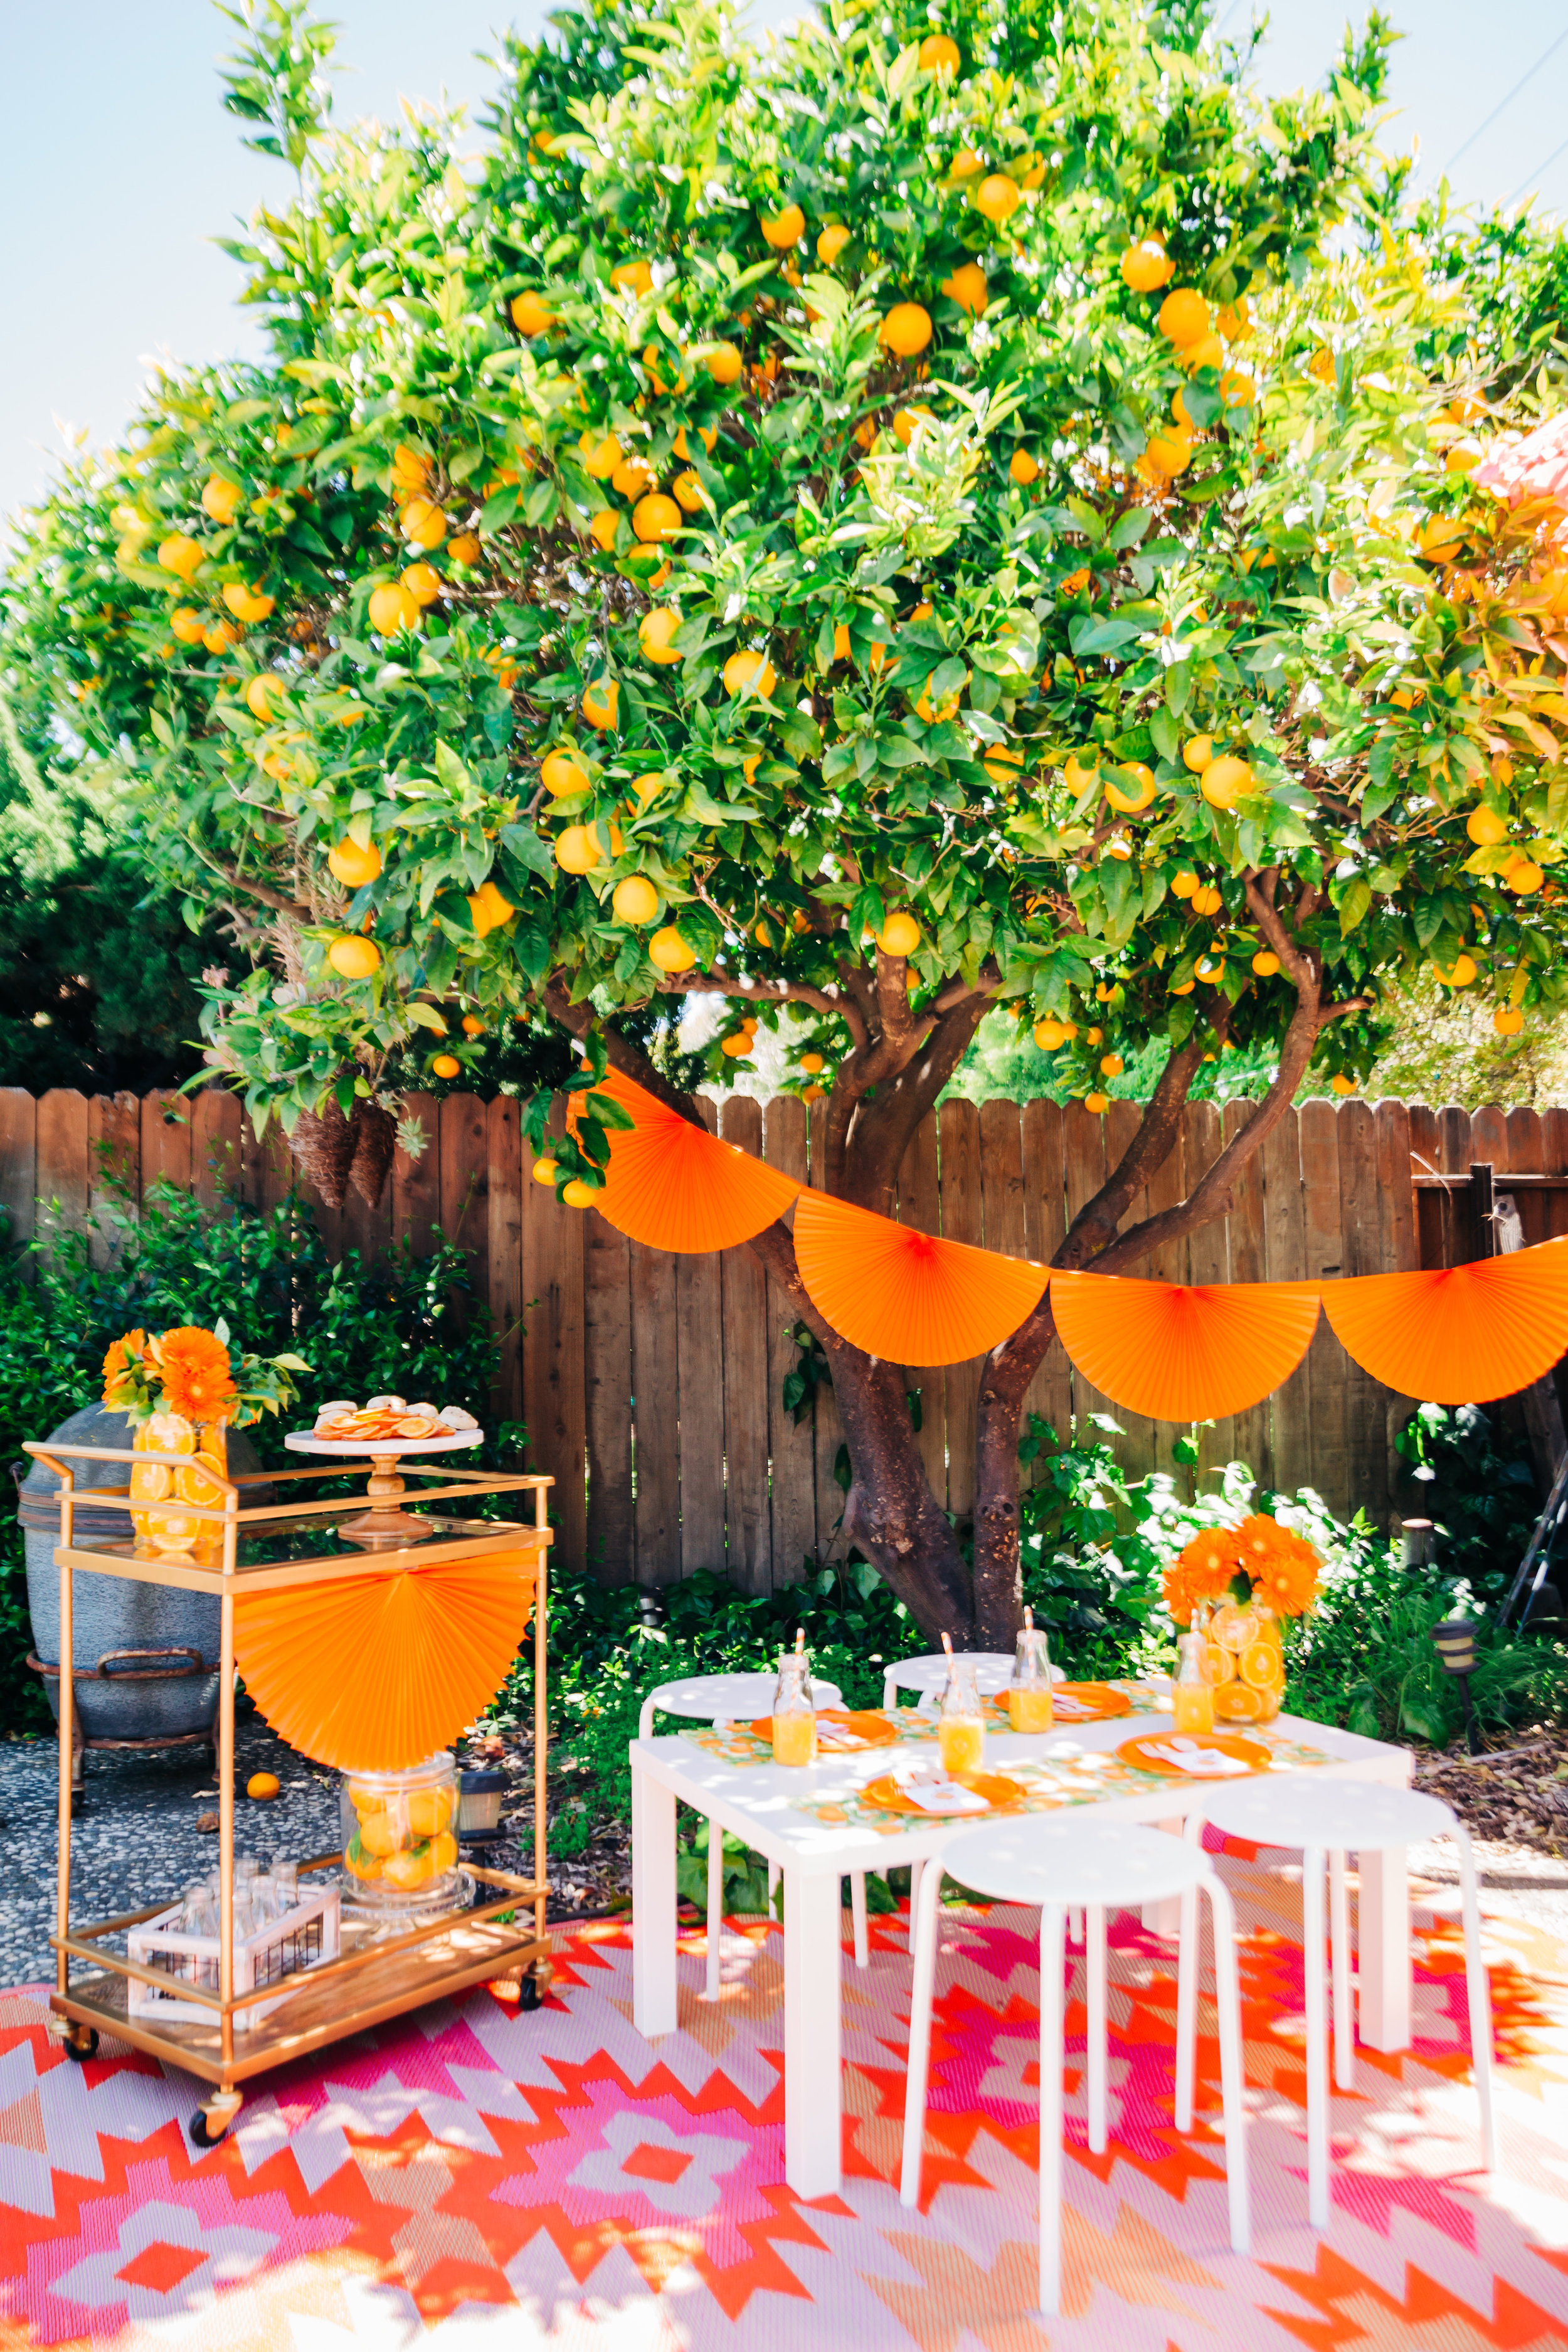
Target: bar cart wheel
(210, 2123)
(81, 2043)
(534, 1984)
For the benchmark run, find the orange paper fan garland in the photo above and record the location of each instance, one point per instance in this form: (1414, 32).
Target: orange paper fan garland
(1460, 1334)
(676, 1187)
(1181, 1351)
(903, 1295)
(374, 1672)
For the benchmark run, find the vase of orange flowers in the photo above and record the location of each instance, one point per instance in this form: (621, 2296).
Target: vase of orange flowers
(1235, 1584)
(182, 1391)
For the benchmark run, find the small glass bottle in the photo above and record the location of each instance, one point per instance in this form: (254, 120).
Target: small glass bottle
(794, 1711)
(286, 1880)
(1192, 1693)
(196, 1918)
(1029, 1704)
(960, 1726)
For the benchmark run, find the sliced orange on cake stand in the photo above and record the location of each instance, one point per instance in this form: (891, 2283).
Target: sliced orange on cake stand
(384, 1436)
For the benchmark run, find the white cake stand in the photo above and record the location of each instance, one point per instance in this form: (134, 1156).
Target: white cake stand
(386, 1522)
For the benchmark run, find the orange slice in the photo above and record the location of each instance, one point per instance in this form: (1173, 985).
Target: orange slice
(1238, 1704)
(150, 1481)
(1262, 1665)
(417, 1424)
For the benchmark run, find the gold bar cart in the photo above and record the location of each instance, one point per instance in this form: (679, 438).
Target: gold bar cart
(378, 1975)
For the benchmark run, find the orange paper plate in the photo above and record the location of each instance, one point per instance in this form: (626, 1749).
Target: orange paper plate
(376, 1671)
(676, 1187)
(870, 1730)
(1461, 1336)
(1183, 1352)
(903, 1295)
(1084, 1702)
(1142, 1752)
(1003, 1796)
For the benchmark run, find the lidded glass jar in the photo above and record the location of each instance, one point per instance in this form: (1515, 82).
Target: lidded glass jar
(1029, 1691)
(794, 1711)
(400, 1845)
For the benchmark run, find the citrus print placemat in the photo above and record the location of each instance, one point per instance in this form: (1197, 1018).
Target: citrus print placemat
(1052, 1782)
(740, 1743)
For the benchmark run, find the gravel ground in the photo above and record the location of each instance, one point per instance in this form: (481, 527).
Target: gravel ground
(137, 1838)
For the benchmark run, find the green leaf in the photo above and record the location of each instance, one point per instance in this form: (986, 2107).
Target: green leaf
(501, 508)
(1355, 900)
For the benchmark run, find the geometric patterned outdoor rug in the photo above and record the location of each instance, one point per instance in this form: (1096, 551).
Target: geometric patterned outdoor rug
(473, 2177)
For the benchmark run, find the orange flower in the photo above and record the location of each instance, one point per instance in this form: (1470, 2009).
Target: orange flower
(122, 1358)
(197, 1378)
(1281, 1567)
(1203, 1572)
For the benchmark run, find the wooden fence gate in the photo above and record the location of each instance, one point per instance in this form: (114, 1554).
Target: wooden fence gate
(651, 1385)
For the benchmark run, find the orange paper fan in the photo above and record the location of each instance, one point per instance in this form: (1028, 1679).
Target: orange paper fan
(903, 1295)
(376, 1671)
(676, 1187)
(1459, 1336)
(1182, 1351)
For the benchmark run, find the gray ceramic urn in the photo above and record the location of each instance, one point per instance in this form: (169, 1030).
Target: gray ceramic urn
(115, 1613)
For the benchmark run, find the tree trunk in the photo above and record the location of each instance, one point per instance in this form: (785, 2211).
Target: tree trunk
(890, 1512)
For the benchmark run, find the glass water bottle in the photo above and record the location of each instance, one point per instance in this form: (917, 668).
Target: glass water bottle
(1029, 1692)
(1192, 1693)
(960, 1726)
(795, 1712)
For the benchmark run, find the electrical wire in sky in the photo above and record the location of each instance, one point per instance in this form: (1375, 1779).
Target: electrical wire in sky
(1502, 106)
(1534, 178)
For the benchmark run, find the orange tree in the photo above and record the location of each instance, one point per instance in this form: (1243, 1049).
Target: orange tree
(923, 518)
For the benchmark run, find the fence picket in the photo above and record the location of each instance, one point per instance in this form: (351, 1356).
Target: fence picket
(1050, 1393)
(1366, 1450)
(699, 1306)
(607, 1397)
(792, 1444)
(64, 1187)
(1249, 1263)
(748, 1532)
(827, 1420)
(114, 1169)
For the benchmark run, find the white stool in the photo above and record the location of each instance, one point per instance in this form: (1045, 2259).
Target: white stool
(1053, 1864)
(711, 1698)
(992, 1672)
(1331, 1818)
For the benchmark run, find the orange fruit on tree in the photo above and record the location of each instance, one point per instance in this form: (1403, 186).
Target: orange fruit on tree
(709, 436)
(635, 900)
(1486, 827)
(632, 277)
(633, 477)
(900, 934)
(600, 453)
(181, 554)
(966, 287)
(488, 909)
(423, 522)
(578, 1195)
(1146, 266)
(189, 625)
(1323, 366)
(784, 228)
(1524, 877)
(1341, 1085)
(582, 846)
(1169, 453)
(965, 164)
(601, 704)
(1097, 1103)
(938, 53)
(218, 635)
(446, 1066)
(1134, 792)
(530, 314)
(1197, 752)
(641, 552)
(1183, 884)
(393, 609)
(906, 329)
(688, 491)
(655, 631)
(831, 244)
(811, 1064)
(1508, 1019)
(1112, 1064)
(722, 362)
(669, 951)
(1049, 1034)
(353, 865)
(647, 788)
(736, 1046)
(563, 774)
(1207, 900)
(603, 527)
(656, 516)
(933, 713)
(1183, 317)
(221, 499)
(545, 1171)
(1266, 963)
(472, 1025)
(1207, 352)
(1225, 781)
(1461, 972)
(1022, 469)
(465, 547)
(410, 469)
(264, 692)
(1004, 763)
(352, 956)
(245, 602)
(422, 580)
(749, 673)
(1081, 770)
(997, 196)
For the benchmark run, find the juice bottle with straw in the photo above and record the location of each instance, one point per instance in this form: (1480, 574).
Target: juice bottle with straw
(794, 1709)
(1192, 1693)
(1029, 1692)
(960, 1726)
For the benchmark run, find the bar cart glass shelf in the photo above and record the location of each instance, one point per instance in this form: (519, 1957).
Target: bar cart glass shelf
(379, 1972)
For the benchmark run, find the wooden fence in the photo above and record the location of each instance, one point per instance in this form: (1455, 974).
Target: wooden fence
(651, 1385)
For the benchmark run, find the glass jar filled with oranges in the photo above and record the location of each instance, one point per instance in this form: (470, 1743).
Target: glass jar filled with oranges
(400, 1847)
(1244, 1658)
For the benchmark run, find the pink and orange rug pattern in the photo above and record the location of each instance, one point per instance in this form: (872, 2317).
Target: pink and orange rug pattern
(475, 2175)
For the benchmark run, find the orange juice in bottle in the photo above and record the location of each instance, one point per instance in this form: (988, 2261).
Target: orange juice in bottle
(794, 1709)
(1192, 1693)
(960, 1726)
(1029, 1704)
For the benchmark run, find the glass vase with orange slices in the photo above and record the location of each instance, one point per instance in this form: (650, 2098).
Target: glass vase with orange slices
(159, 1488)
(1233, 1585)
(1245, 1660)
(183, 1390)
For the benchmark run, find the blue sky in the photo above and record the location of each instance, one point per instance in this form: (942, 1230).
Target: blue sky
(118, 165)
